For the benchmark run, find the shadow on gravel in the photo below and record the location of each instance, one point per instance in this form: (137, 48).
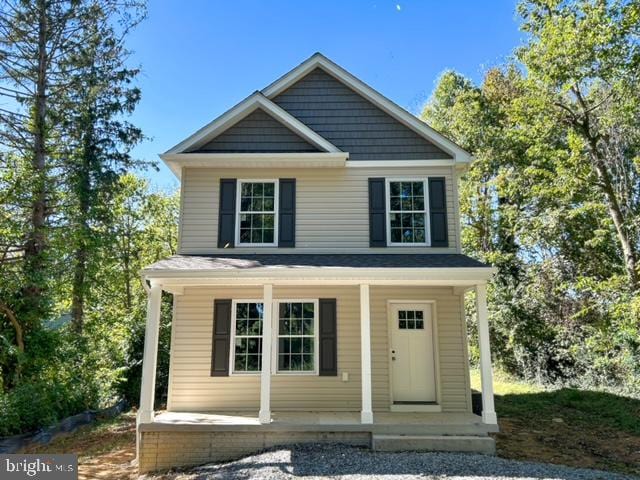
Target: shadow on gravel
(321, 460)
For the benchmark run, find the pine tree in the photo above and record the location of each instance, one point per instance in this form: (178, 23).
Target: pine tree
(99, 139)
(36, 39)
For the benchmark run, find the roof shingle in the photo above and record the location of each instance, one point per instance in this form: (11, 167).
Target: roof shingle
(276, 261)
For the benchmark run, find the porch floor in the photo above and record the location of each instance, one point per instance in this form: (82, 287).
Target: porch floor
(399, 423)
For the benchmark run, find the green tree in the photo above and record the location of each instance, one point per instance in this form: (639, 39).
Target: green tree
(583, 57)
(34, 36)
(98, 138)
(37, 41)
(562, 305)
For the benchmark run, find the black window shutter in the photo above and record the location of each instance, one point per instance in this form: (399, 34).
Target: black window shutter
(221, 338)
(377, 213)
(287, 213)
(438, 212)
(328, 338)
(227, 213)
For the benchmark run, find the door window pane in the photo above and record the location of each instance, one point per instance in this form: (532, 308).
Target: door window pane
(411, 320)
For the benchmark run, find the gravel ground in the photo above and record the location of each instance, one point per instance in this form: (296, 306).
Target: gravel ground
(340, 461)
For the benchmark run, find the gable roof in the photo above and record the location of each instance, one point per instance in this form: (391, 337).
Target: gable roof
(231, 117)
(250, 135)
(318, 60)
(353, 123)
(264, 100)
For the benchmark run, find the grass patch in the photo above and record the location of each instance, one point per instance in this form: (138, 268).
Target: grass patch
(582, 428)
(584, 407)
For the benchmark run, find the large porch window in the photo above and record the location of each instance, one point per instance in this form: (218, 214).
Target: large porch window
(297, 337)
(247, 323)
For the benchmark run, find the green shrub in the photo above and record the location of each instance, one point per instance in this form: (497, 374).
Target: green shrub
(31, 406)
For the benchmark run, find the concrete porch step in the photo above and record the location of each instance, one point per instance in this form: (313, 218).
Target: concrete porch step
(471, 429)
(434, 443)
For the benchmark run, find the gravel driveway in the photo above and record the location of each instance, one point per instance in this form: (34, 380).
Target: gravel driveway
(339, 461)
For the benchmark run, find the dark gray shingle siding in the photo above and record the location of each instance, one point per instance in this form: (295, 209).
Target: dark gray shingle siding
(351, 122)
(365, 260)
(257, 132)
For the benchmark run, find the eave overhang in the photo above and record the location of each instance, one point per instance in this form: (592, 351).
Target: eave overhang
(177, 161)
(323, 275)
(250, 104)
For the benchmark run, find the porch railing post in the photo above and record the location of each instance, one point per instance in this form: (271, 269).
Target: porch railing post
(366, 415)
(265, 372)
(488, 408)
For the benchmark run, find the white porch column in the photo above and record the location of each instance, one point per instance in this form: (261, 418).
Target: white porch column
(267, 340)
(366, 415)
(150, 357)
(488, 409)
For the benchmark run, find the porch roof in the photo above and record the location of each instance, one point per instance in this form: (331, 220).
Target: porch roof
(422, 269)
(227, 263)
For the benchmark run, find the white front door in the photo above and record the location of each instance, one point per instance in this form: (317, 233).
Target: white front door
(412, 355)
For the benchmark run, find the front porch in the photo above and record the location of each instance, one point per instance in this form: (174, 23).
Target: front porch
(215, 413)
(183, 438)
(400, 423)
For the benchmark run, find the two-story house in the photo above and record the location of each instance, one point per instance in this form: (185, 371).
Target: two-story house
(319, 287)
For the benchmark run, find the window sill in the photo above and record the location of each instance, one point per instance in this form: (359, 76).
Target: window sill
(408, 244)
(275, 374)
(251, 245)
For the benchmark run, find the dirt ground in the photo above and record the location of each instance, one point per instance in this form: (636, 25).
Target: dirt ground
(107, 451)
(566, 444)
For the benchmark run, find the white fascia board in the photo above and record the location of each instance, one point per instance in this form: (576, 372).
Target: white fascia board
(294, 275)
(240, 111)
(177, 161)
(175, 167)
(446, 162)
(399, 113)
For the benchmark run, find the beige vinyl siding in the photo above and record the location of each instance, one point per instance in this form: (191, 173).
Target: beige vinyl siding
(332, 210)
(192, 388)
(312, 392)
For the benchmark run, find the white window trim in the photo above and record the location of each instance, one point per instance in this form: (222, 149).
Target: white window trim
(275, 330)
(276, 201)
(427, 223)
(232, 350)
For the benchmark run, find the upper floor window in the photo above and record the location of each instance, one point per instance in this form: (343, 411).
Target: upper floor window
(407, 212)
(257, 212)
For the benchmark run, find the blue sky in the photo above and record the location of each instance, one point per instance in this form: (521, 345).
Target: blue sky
(200, 58)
